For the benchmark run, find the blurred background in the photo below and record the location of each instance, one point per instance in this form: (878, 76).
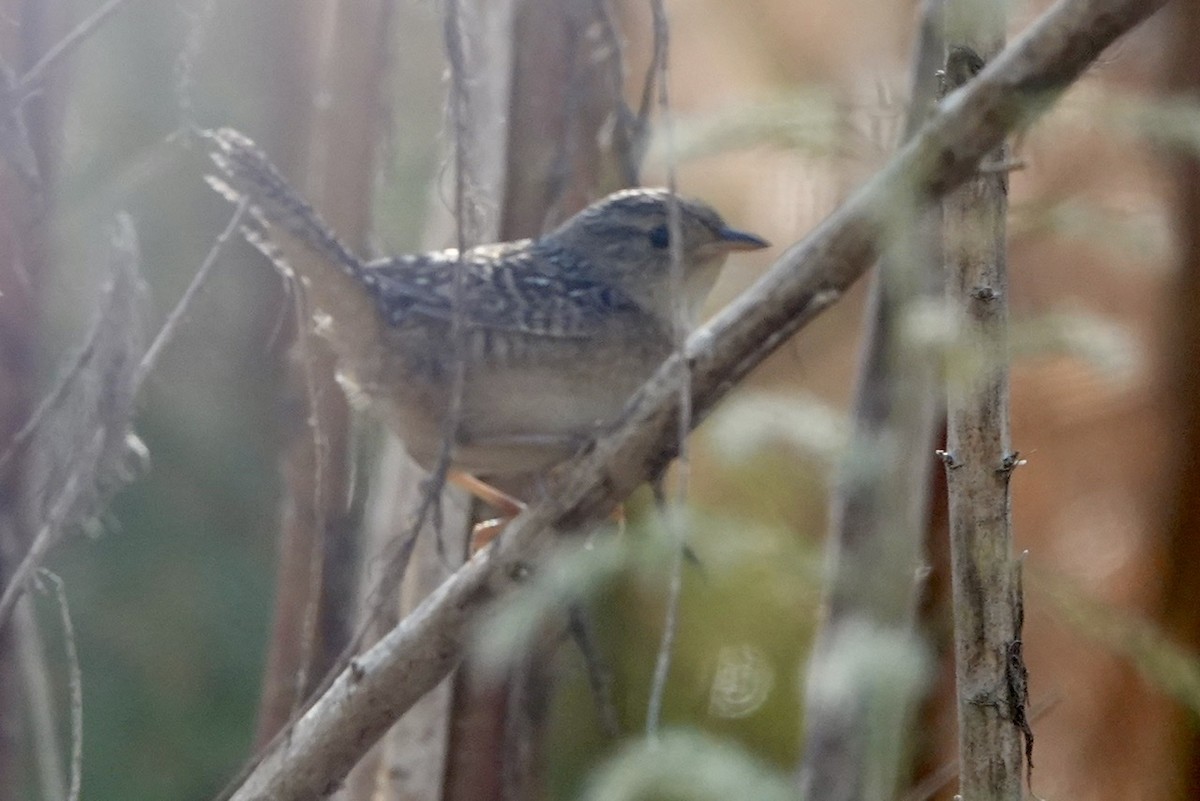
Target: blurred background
(779, 109)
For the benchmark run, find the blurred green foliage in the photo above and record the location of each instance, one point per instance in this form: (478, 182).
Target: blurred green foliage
(748, 607)
(684, 765)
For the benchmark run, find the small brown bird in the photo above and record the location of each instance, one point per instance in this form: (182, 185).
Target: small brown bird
(557, 332)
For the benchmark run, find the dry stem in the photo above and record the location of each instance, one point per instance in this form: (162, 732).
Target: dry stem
(989, 672)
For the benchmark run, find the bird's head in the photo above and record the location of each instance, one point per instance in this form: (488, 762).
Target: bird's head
(626, 239)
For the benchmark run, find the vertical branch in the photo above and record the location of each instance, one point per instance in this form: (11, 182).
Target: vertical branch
(879, 509)
(75, 681)
(39, 695)
(657, 76)
(979, 460)
(315, 576)
(475, 748)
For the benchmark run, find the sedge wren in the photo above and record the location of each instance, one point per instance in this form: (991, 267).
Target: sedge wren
(556, 332)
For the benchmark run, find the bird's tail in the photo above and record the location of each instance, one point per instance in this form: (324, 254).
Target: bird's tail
(302, 245)
(246, 172)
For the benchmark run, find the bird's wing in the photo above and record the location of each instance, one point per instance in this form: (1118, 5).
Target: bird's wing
(505, 288)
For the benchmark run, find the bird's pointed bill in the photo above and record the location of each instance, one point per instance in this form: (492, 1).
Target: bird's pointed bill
(734, 239)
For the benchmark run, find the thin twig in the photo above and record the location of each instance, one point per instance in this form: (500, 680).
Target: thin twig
(320, 453)
(431, 501)
(35, 674)
(75, 679)
(680, 325)
(384, 682)
(616, 55)
(71, 491)
(599, 673)
(167, 332)
(662, 663)
(655, 71)
(124, 248)
(54, 396)
(28, 84)
(628, 143)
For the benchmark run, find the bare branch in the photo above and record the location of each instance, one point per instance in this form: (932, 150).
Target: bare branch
(674, 526)
(167, 332)
(57, 518)
(654, 73)
(54, 397)
(989, 669)
(44, 734)
(384, 682)
(465, 234)
(629, 140)
(632, 129)
(599, 673)
(74, 678)
(662, 662)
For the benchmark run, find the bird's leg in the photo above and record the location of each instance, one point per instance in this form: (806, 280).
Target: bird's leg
(496, 498)
(508, 507)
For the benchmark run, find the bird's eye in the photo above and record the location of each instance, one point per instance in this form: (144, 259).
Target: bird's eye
(659, 237)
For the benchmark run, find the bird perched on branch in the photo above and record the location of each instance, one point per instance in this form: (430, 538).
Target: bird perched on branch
(554, 333)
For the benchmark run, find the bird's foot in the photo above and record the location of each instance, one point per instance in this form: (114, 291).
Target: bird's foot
(508, 506)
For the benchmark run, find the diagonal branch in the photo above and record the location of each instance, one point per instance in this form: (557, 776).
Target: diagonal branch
(378, 687)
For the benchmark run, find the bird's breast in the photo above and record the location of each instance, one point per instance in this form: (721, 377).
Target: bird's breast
(527, 402)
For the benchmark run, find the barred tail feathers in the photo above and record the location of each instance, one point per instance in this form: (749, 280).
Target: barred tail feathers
(293, 235)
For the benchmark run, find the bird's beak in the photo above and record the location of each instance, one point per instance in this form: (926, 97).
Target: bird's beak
(733, 239)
